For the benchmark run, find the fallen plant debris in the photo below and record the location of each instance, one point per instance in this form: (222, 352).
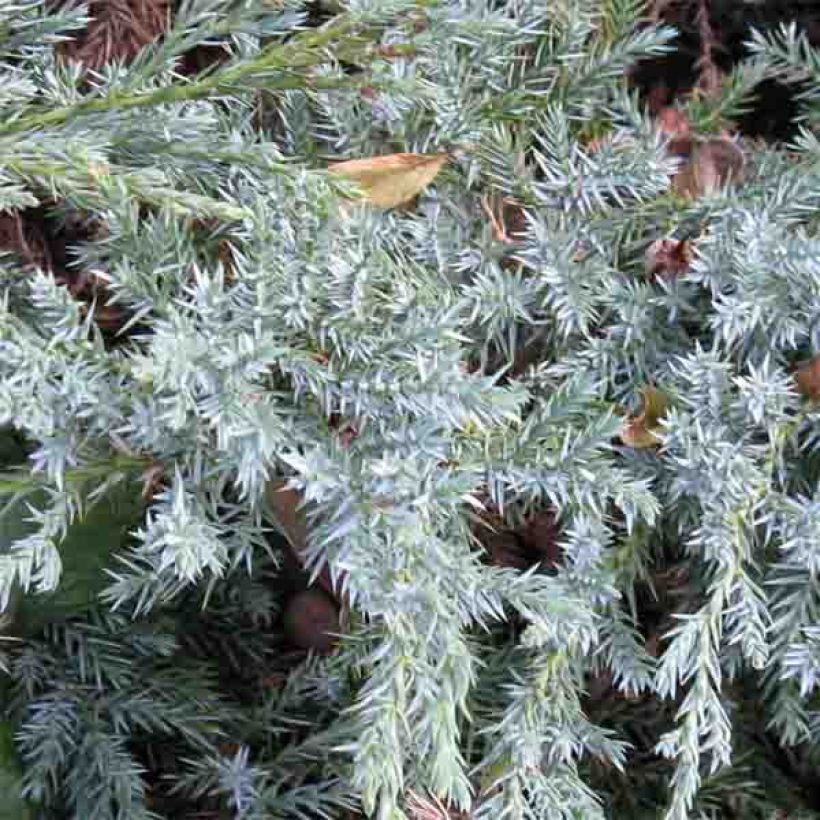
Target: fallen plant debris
(391, 180)
(117, 31)
(808, 379)
(319, 497)
(712, 164)
(668, 258)
(642, 431)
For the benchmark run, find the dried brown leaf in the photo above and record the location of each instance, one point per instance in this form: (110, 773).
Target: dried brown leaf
(391, 180)
(668, 258)
(641, 432)
(808, 379)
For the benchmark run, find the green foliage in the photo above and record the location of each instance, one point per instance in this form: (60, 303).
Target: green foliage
(404, 370)
(12, 806)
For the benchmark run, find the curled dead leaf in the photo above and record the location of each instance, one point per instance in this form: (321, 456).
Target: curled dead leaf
(391, 180)
(642, 431)
(668, 258)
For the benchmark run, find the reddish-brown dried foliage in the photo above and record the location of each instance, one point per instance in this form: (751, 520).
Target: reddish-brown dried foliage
(118, 30)
(668, 258)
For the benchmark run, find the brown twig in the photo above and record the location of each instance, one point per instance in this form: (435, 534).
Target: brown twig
(709, 75)
(499, 234)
